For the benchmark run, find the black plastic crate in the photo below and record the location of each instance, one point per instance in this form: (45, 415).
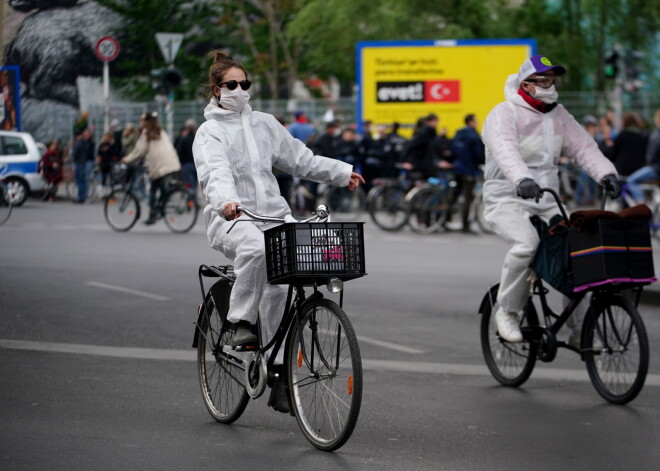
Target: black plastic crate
(308, 253)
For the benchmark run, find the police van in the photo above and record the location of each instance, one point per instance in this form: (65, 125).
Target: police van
(19, 165)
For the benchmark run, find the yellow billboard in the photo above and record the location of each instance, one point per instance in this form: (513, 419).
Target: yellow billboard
(402, 81)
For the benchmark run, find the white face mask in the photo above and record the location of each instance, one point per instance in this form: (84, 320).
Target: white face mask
(234, 100)
(546, 95)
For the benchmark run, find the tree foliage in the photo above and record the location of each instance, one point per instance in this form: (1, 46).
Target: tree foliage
(281, 40)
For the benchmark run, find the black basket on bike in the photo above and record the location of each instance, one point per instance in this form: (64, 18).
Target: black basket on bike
(309, 253)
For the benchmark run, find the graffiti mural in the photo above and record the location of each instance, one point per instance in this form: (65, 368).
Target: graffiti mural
(53, 47)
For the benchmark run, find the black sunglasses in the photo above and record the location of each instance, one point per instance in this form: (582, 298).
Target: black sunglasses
(232, 84)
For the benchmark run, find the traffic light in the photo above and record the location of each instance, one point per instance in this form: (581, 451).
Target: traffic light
(611, 69)
(165, 79)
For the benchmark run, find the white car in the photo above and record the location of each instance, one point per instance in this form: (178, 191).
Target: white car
(19, 157)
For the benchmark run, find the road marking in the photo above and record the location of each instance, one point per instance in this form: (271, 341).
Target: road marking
(121, 289)
(375, 365)
(389, 345)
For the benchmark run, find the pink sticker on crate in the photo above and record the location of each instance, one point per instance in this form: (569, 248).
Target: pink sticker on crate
(333, 253)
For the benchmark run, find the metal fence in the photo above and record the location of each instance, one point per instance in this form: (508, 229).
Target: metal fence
(57, 120)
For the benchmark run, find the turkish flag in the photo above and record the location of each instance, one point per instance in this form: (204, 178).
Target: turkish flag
(444, 91)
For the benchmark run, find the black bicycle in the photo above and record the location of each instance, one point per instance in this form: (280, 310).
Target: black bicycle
(322, 367)
(614, 344)
(176, 205)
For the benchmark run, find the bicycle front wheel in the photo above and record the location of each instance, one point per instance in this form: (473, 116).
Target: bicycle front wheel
(221, 376)
(324, 373)
(180, 211)
(5, 204)
(616, 349)
(387, 207)
(511, 364)
(121, 210)
(346, 204)
(429, 208)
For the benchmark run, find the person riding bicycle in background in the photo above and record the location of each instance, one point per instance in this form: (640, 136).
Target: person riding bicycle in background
(235, 150)
(524, 137)
(160, 155)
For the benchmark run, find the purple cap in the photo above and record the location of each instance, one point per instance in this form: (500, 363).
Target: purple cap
(537, 65)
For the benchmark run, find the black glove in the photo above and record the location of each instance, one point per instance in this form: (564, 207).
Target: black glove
(528, 189)
(611, 185)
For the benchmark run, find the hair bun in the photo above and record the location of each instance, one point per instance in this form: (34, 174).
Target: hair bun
(219, 56)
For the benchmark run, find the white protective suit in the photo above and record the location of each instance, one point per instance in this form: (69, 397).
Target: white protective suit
(522, 142)
(234, 154)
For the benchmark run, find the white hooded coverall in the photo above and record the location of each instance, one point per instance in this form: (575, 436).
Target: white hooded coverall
(522, 142)
(234, 154)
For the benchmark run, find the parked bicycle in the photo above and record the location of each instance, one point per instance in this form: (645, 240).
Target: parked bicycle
(613, 344)
(322, 365)
(432, 205)
(122, 206)
(386, 200)
(5, 196)
(345, 204)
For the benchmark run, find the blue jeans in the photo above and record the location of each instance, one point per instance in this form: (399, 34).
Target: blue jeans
(81, 180)
(585, 189)
(189, 177)
(642, 175)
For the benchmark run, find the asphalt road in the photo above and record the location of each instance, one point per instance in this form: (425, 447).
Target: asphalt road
(97, 371)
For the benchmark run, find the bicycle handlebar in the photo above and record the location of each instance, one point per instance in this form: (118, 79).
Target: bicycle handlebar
(321, 213)
(557, 199)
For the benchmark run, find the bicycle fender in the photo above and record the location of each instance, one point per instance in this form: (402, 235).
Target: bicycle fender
(489, 298)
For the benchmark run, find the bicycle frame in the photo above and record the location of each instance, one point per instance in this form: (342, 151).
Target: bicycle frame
(291, 313)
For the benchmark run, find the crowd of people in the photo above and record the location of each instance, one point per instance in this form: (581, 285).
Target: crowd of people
(377, 151)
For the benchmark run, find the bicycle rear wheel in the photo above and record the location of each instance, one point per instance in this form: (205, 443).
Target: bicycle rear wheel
(324, 373)
(5, 204)
(121, 210)
(387, 207)
(220, 375)
(346, 204)
(180, 211)
(511, 364)
(428, 208)
(616, 349)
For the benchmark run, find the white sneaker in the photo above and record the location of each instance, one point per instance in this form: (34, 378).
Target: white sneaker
(508, 325)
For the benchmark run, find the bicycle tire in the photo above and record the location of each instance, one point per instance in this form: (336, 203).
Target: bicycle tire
(346, 205)
(220, 381)
(387, 207)
(323, 372)
(180, 211)
(619, 361)
(5, 204)
(428, 208)
(121, 210)
(511, 364)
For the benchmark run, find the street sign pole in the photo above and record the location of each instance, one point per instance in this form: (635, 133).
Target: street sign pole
(169, 44)
(107, 49)
(106, 96)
